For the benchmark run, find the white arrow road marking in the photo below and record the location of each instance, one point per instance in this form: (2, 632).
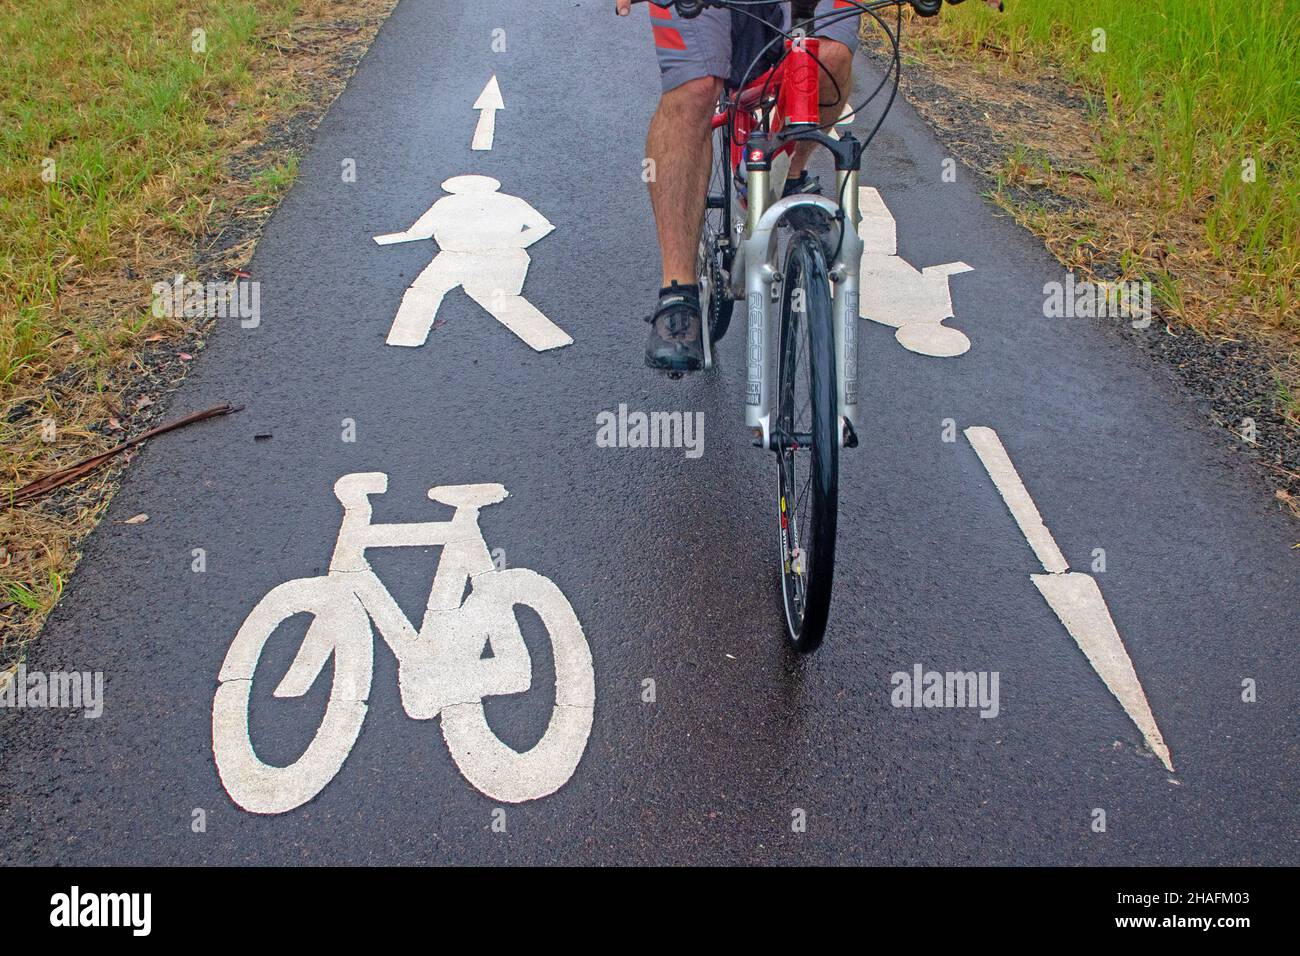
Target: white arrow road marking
(481, 235)
(997, 463)
(894, 293)
(488, 102)
(1077, 601)
(1074, 597)
(440, 670)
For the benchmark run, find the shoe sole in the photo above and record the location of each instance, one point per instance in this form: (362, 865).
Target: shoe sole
(674, 367)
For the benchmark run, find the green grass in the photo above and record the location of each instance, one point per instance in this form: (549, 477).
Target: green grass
(39, 600)
(114, 103)
(1185, 92)
(271, 182)
(116, 144)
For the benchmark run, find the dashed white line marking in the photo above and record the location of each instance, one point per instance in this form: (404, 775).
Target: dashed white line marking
(1074, 597)
(488, 102)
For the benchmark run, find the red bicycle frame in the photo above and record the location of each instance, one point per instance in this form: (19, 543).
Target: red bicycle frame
(797, 83)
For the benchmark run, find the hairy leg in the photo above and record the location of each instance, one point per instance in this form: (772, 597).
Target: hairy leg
(680, 144)
(838, 59)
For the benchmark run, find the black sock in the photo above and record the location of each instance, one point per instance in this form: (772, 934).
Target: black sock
(676, 288)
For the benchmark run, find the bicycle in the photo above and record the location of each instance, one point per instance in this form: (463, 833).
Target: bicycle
(441, 667)
(756, 129)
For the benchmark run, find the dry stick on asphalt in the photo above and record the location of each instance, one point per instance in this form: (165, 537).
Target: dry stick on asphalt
(63, 476)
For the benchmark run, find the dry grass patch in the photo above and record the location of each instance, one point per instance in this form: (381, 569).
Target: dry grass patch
(146, 138)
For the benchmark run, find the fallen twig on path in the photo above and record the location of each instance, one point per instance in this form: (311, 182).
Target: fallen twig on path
(63, 476)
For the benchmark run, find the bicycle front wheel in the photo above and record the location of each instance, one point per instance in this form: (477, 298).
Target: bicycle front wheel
(807, 442)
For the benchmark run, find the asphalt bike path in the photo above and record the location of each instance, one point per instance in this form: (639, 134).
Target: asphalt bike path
(708, 741)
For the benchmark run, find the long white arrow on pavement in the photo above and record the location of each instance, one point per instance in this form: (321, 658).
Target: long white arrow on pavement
(488, 102)
(1074, 597)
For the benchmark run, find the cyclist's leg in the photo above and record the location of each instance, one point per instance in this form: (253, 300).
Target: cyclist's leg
(694, 57)
(839, 41)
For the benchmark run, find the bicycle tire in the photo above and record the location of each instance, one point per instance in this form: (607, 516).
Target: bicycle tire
(712, 261)
(807, 508)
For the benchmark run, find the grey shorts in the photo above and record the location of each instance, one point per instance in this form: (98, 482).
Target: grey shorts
(690, 49)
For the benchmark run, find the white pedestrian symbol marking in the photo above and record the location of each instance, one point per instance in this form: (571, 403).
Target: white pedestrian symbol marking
(481, 236)
(847, 115)
(894, 293)
(488, 102)
(442, 668)
(1073, 596)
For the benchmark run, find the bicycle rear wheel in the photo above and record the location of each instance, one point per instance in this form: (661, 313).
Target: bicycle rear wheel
(713, 262)
(807, 442)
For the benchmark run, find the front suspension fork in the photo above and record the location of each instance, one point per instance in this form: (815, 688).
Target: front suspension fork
(758, 249)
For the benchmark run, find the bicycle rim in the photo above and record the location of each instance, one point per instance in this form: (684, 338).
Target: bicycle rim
(714, 298)
(807, 441)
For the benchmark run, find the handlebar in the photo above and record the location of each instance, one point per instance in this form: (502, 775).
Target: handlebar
(689, 9)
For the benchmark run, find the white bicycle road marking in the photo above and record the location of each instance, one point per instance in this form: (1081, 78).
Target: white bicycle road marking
(441, 671)
(894, 293)
(481, 235)
(1073, 596)
(488, 102)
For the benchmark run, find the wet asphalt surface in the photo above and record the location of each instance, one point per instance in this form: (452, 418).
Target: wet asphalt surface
(669, 562)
